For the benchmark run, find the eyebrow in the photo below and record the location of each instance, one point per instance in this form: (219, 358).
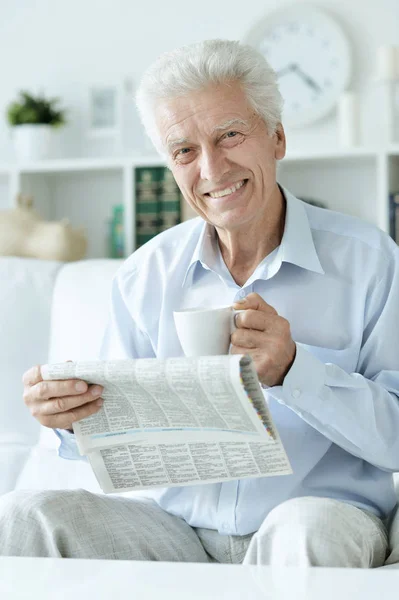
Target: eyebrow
(177, 142)
(229, 123)
(172, 143)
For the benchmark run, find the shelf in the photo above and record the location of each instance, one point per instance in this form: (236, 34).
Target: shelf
(394, 150)
(334, 154)
(356, 181)
(63, 165)
(73, 165)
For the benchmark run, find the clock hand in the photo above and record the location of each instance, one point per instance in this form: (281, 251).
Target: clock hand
(288, 69)
(294, 68)
(309, 80)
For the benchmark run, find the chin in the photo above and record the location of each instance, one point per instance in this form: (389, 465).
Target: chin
(231, 221)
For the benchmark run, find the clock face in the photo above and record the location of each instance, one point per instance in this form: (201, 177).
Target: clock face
(311, 57)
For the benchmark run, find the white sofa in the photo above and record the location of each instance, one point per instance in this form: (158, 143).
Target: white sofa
(49, 312)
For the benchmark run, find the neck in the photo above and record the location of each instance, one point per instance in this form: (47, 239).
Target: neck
(243, 249)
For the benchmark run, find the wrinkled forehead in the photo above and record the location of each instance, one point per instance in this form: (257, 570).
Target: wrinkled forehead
(204, 112)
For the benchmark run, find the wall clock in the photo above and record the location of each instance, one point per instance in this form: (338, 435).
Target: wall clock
(312, 58)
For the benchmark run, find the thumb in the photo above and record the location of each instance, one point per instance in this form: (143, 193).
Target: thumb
(253, 301)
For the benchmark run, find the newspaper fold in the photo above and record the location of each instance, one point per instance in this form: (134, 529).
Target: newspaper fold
(174, 422)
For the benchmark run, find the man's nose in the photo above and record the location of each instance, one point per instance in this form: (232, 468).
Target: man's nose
(213, 164)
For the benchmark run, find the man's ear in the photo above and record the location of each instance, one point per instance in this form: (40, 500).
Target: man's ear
(280, 146)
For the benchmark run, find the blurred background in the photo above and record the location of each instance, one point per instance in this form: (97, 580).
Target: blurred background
(91, 54)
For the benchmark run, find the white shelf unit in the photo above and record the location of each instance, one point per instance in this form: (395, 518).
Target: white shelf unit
(356, 181)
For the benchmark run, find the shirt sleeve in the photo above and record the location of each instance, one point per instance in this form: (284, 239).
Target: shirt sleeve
(358, 411)
(122, 339)
(68, 447)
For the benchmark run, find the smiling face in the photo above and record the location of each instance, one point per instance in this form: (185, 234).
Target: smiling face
(221, 155)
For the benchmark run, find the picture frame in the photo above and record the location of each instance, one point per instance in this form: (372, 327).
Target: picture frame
(104, 110)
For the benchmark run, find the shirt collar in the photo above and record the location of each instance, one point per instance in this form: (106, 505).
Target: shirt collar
(297, 245)
(203, 251)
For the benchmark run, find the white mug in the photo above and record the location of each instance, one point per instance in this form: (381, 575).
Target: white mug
(205, 331)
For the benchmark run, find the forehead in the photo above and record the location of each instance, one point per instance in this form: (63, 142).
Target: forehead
(201, 111)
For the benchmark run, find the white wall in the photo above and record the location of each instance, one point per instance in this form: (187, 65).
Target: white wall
(59, 46)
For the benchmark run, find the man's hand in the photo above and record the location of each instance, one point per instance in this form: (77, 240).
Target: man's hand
(58, 404)
(266, 337)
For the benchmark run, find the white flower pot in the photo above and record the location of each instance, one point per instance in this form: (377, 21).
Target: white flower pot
(32, 142)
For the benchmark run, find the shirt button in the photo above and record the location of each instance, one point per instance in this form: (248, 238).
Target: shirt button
(242, 294)
(296, 393)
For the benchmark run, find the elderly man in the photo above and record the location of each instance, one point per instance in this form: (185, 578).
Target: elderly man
(321, 297)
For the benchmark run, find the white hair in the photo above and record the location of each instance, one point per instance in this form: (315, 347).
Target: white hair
(199, 65)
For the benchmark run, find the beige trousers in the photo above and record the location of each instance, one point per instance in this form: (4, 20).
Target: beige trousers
(78, 524)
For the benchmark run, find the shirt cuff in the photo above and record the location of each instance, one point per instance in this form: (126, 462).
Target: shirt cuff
(302, 384)
(68, 447)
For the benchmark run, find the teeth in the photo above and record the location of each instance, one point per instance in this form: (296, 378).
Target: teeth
(230, 190)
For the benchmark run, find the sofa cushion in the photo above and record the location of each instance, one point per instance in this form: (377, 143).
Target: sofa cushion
(80, 309)
(45, 470)
(26, 288)
(78, 317)
(25, 302)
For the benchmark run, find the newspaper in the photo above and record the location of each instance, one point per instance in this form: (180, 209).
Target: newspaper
(174, 422)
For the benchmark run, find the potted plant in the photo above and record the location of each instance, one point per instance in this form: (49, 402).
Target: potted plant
(33, 120)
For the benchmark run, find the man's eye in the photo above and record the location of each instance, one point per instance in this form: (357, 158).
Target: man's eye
(231, 133)
(184, 155)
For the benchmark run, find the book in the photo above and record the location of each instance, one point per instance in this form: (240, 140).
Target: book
(117, 239)
(173, 422)
(394, 216)
(169, 198)
(147, 203)
(159, 203)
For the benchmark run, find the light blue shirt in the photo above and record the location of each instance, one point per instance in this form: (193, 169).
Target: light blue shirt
(336, 280)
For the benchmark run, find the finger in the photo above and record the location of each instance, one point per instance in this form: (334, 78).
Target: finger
(32, 376)
(45, 390)
(55, 406)
(255, 302)
(247, 338)
(240, 350)
(252, 319)
(64, 420)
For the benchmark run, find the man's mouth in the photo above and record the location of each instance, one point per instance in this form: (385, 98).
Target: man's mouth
(227, 191)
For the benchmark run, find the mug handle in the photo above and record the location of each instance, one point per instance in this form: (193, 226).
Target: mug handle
(233, 326)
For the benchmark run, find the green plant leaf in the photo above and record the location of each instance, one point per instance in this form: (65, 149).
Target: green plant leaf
(36, 110)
